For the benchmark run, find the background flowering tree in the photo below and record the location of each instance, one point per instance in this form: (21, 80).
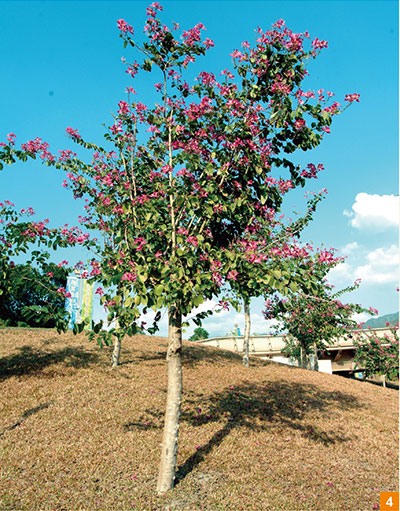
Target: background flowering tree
(314, 317)
(377, 355)
(32, 293)
(267, 261)
(173, 206)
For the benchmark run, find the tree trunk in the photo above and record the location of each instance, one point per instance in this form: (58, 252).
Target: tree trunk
(117, 348)
(315, 356)
(303, 357)
(246, 339)
(116, 352)
(169, 446)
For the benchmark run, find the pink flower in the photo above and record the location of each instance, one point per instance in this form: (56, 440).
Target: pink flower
(116, 128)
(11, 138)
(73, 133)
(299, 124)
(141, 243)
(192, 240)
(130, 277)
(153, 129)
(153, 8)
(66, 155)
(123, 108)
(99, 291)
(352, 97)
(235, 54)
(49, 274)
(223, 304)
(232, 275)
(124, 27)
(318, 45)
(326, 129)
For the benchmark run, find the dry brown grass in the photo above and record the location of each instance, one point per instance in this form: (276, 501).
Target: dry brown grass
(78, 435)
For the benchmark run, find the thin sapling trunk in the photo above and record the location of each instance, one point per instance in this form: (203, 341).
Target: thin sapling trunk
(169, 446)
(246, 340)
(117, 348)
(116, 352)
(315, 364)
(303, 357)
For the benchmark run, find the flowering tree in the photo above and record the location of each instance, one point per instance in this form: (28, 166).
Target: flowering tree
(33, 292)
(173, 206)
(377, 355)
(267, 261)
(314, 319)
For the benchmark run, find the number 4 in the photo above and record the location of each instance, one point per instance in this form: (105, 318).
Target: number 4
(389, 500)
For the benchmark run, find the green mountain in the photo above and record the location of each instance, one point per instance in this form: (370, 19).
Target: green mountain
(381, 321)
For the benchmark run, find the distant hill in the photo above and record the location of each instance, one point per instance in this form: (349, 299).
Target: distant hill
(381, 321)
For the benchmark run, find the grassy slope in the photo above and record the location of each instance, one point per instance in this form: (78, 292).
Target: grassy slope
(77, 435)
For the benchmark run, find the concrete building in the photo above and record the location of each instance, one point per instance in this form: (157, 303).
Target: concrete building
(339, 357)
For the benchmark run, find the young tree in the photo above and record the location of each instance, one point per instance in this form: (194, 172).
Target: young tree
(377, 355)
(267, 262)
(171, 205)
(313, 320)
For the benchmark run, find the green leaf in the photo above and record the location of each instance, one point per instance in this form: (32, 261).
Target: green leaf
(128, 302)
(143, 277)
(277, 274)
(198, 300)
(158, 290)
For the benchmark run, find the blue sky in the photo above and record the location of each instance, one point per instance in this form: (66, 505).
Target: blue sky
(61, 66)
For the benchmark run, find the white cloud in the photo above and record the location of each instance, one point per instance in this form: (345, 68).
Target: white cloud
(204, 307)
(384, 257)
(341, 272)
(379, 266)
(350, 247)
(360, 317)
(260, 325)
(382, 266)
(372, 211)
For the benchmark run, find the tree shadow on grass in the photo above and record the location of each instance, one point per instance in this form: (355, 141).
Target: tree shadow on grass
(260, 406)
(191, 356)
(25, 415)
(30, 360)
